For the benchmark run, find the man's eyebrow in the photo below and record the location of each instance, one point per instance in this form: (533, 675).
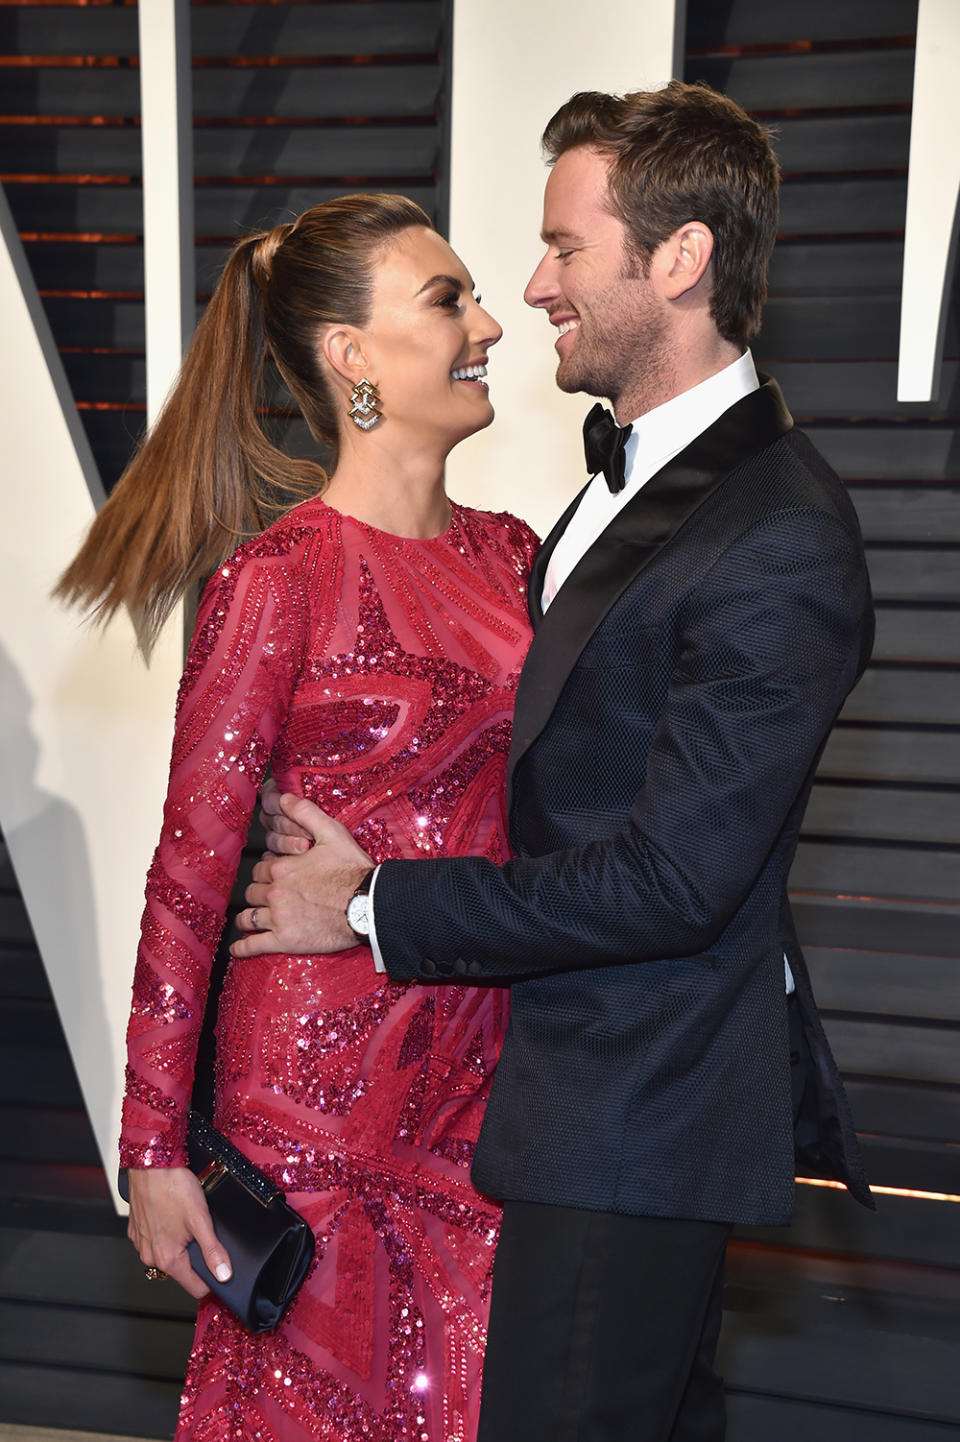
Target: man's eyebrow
(450, 280)
(555, 237)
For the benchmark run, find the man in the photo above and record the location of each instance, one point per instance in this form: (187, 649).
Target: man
(697, 631)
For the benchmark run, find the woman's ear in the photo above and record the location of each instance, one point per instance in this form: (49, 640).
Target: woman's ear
(342, 349)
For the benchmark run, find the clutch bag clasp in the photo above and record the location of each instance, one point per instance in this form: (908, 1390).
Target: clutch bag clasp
(211, 1174)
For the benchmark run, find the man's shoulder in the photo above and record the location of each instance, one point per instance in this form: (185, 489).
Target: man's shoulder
(788, 474)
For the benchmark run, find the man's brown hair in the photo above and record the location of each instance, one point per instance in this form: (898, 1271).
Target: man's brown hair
(680, 154)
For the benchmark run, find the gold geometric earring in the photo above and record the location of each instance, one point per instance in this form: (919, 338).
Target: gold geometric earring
(365, 409)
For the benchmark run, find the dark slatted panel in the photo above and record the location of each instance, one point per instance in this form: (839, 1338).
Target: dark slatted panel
(85, 1342)
(293, 103)
(845, 1327)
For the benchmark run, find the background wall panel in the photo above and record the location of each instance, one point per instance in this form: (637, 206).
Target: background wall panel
(294, 102)
(843, 1326)
(822, 1337)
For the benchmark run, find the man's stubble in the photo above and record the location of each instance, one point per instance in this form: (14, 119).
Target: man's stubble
(622, 349)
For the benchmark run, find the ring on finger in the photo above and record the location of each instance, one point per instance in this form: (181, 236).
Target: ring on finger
(154, 1274)
(253, 919)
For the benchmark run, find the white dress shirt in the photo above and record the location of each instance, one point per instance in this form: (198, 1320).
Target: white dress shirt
(655, 439)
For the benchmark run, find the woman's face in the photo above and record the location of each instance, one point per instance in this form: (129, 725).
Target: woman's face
(427, 340)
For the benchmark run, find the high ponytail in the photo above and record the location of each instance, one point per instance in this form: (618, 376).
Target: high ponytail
(206, 475)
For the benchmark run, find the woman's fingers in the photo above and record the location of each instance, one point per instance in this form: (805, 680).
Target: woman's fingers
(215, 1254)
(167, 1211)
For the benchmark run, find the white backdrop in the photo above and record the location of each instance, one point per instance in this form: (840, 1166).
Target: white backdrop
(514, 63)
(85, 727)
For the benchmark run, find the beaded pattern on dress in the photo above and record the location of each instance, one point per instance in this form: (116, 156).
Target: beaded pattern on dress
(375, 675)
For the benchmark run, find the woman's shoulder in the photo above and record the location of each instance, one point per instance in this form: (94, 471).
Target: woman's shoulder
(289, 537)
(500, 529)
(285, 549)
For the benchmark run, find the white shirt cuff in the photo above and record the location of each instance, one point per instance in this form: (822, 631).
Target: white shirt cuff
(378, 960)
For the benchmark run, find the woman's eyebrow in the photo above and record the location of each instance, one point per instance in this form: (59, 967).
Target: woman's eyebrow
(450, 280)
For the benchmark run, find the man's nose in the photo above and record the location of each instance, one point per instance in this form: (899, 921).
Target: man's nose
(541, 288)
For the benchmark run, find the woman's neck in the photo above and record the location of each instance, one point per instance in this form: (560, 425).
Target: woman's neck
(399, 493)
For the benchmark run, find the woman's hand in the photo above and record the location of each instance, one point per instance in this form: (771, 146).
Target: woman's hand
(168, 1210)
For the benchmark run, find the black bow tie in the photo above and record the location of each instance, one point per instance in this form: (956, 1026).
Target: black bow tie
(604, 443)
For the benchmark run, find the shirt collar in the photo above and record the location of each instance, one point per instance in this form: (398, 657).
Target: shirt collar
(669, 428)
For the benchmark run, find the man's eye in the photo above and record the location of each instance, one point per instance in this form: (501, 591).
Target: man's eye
(564, 254)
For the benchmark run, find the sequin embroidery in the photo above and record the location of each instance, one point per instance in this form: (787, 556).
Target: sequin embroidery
(375, 675)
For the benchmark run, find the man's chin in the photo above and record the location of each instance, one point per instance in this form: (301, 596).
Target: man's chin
(575, 380)
(569, 377)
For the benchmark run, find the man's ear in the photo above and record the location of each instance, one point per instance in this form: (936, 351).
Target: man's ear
(685, 258)
(342, 349)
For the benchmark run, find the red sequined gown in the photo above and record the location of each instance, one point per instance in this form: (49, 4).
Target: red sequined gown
(375, 675)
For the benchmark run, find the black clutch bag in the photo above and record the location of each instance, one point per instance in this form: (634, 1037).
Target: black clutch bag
(269, 1244)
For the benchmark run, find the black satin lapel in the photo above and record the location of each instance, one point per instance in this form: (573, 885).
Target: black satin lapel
(647, 523)
(538, 571)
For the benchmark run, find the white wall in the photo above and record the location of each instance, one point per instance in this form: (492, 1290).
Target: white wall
(933, 197)
(85, 728)
(514, 63)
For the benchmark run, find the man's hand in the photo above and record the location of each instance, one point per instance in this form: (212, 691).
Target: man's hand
(284, 836)
(298, 904)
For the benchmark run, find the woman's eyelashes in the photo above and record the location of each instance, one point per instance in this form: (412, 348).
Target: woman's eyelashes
(452, 300)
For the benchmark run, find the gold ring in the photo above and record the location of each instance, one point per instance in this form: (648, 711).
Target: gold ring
(154, 1274)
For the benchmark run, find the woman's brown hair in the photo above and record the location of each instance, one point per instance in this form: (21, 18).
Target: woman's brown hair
(206, 475)
(686, 153)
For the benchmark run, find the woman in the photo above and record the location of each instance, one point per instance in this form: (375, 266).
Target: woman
(366, 647)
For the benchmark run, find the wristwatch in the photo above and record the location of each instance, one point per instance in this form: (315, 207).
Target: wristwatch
(358, 909)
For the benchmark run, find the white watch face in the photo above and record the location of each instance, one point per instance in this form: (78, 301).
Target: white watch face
(358, 914)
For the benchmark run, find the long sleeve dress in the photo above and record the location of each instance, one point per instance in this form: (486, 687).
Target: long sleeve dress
(375, 675)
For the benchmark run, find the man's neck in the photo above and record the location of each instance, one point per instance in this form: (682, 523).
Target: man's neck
(679, 371)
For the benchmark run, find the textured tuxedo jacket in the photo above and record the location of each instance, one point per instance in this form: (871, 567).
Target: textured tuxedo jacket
(675, 701)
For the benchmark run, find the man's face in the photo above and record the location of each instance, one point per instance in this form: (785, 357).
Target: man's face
(611, 321)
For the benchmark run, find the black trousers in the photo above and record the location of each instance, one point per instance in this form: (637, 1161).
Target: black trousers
(603, 1328)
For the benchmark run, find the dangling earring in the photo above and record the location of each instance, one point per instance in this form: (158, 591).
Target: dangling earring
(365, 405)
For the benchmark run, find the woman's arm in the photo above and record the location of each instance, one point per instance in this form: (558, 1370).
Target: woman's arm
(242, 665)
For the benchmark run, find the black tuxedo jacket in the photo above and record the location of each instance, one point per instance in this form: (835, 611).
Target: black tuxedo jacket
(670, 715)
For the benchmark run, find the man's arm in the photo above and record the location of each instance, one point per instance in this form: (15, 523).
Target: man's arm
(770, 651)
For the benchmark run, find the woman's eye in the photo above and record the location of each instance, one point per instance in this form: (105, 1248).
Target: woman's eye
(451, 300)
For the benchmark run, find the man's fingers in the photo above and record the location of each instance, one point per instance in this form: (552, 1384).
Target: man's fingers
(309, 818)
(265, 871)
(277, 823)
(324, 830)
(287, 845)
(255, 943)
(256, 892)
(253, 918)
